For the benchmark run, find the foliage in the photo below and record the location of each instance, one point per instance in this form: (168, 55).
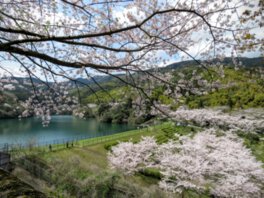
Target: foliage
(117, 113)
(158, 95)
(129, 157)
(102, 108)
(86, 40)
(91, 161)
(151, 172)
(84, 112)
(109, 145)
(117, 38)
(87, 169)
(11, 186)
(240, 89)
(116, 94)
(9, 106)
(255, 142)
(198, 163)
(172, 132)
(244, 95)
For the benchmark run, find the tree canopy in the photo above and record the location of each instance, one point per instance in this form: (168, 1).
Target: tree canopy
(124, 35)
(73, 38)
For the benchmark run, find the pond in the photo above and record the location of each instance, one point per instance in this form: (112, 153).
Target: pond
(62, 127)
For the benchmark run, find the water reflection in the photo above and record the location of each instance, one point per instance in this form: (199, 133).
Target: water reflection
(61, 127)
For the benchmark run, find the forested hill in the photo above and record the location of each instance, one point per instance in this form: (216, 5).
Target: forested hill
(241, 88)
(25, 82)
(242, 79)
(231, 87)
(246, 62)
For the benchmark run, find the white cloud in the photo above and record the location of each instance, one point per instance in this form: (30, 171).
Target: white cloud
(10, 67)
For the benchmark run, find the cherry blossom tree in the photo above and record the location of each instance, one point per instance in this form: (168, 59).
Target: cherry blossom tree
(213, 118)
(53, 39)
(46, 102)
(130, 157)
(207, 161)
(122, 35)
(220, 162)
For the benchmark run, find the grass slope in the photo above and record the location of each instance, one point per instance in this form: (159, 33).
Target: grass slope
(83, 170)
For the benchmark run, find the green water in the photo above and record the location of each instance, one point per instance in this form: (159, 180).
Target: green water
(27, 130)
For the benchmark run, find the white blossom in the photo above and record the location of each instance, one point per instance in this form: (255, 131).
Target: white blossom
(204, 117)
(221, 163)
(129, 157)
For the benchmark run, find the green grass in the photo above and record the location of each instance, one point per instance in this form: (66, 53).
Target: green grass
(255, 142)
(98, 144)
(88, 160)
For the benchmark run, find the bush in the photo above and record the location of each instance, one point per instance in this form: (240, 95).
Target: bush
(253, 138)
(104, 107)
(151, 172)
(102, 186)
(107, 117)
(108, 146)
(143, 118)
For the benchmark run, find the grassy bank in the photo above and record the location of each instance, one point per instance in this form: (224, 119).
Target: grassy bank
(83, 171)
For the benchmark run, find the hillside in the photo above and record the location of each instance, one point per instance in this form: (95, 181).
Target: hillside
(246, 62)
(240, 90)
(196, 88)
(226, 86)
(9, 105)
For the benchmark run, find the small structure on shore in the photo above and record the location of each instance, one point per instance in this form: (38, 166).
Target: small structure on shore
(5, 159)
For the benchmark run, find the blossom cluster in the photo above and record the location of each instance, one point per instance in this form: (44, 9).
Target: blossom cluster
(7, 83)
(144, 34)
(43, 103)
(129, 157)
(206, 117)
(221, 163)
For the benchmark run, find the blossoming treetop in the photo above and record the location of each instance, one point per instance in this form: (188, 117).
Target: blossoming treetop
(124, 35)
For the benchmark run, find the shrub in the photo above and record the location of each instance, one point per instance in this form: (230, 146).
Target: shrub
(107, 117)
(103, 108)
(108, 146)
(253, 138)
(151, 172)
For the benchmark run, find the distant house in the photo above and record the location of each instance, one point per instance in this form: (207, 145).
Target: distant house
(4, 160)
